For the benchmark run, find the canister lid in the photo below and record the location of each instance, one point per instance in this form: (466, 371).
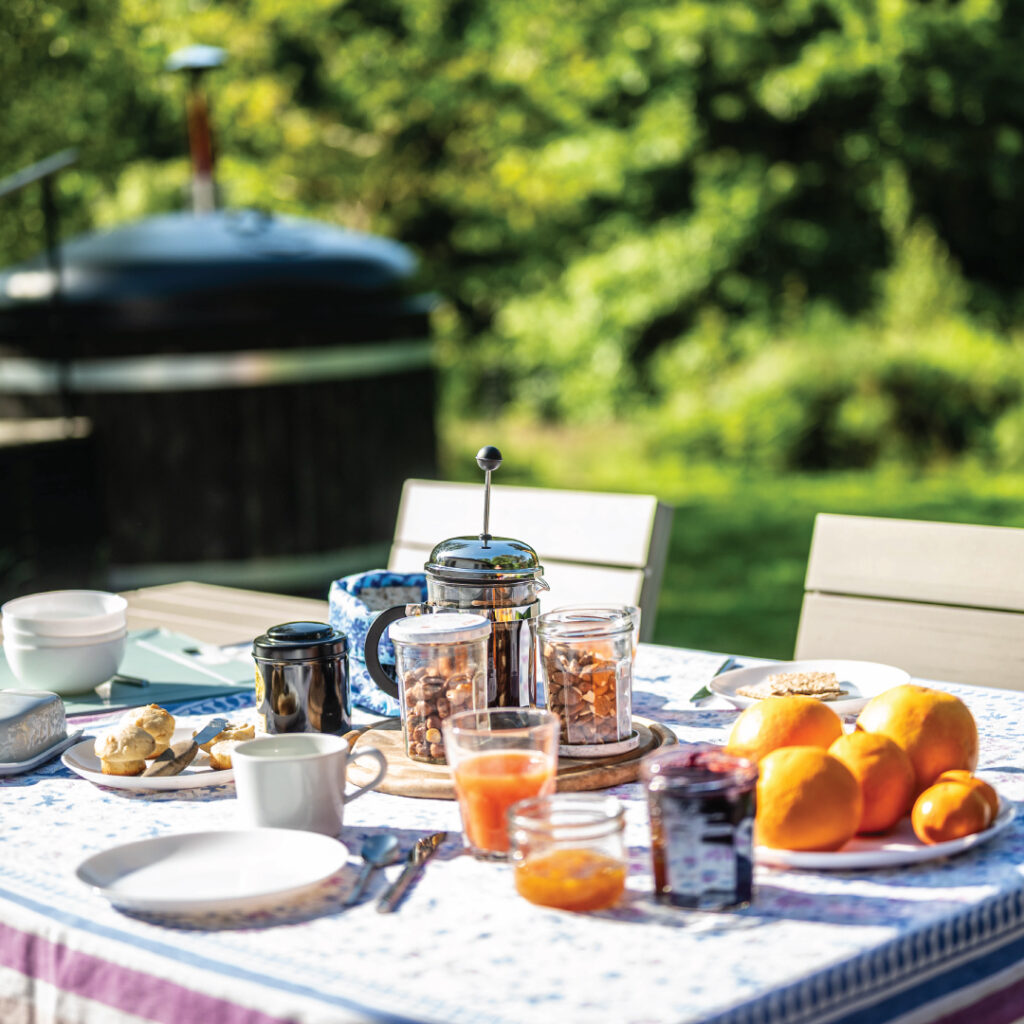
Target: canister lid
(299, 641)
(484, 560)
(441, 628)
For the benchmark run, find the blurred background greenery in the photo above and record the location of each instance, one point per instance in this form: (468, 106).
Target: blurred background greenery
(761, 257)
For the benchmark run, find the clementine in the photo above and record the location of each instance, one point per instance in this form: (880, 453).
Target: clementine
(885, 774)
(806, 800)
(935, 728)
(949, 810)
(967, 779)
(783, 722)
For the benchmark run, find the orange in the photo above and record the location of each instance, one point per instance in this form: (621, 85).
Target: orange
(967, 779)
(885, 774)
(806, 800)
(935, 728)
(949, 810)
(783, 722)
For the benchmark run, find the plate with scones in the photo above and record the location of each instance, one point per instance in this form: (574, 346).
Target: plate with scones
(126, 755)
(845, 685)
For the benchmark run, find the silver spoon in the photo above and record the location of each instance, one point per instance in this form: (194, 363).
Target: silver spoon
(377, 851)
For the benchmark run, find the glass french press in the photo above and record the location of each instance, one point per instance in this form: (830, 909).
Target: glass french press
(496, 577)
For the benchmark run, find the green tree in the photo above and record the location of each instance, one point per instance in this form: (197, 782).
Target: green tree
(594, 185)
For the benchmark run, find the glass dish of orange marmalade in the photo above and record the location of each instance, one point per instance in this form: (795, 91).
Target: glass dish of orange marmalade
(568, 850)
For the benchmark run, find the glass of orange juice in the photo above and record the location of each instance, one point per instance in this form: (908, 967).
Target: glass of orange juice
(498, 757)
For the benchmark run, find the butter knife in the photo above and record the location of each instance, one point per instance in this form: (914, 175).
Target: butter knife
(424, 849)
(175, 759)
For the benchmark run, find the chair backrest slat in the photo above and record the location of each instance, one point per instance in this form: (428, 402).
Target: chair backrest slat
(572, 526)
(910, 560)
(963, 645)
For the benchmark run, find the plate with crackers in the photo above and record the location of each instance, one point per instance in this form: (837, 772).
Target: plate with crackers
(846, 686)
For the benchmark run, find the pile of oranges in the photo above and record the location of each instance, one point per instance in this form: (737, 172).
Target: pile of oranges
(913, 751)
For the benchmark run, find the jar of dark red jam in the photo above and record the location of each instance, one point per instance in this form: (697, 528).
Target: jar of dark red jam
(701, 803)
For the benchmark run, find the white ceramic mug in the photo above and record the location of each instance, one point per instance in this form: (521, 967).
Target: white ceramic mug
(297, 780)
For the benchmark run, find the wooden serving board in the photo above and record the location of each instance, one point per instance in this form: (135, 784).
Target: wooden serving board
(407, 777)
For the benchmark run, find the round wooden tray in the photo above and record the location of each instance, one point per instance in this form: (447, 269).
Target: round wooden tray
(406, 777)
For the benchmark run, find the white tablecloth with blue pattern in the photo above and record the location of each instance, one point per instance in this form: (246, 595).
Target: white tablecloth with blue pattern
(942, 940)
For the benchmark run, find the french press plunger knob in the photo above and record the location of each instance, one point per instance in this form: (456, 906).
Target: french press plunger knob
(488, 459)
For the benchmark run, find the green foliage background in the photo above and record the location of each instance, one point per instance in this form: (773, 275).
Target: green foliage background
(780, 232)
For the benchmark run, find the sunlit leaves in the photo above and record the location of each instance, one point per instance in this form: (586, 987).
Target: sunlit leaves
(614, 196)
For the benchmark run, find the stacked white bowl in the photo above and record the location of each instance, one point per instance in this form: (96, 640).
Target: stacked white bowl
(65, 641)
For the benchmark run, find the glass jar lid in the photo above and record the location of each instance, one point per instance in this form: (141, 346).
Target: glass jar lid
(484, 560)
(696, 768)
(440, 628)
(583, 623)
(299, 641)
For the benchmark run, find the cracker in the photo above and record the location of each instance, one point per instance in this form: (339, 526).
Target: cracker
(823, 685)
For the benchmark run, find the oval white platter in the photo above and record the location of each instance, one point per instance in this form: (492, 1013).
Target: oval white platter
(891, 850)
(859, 680)
(212, 872)
(82, 760)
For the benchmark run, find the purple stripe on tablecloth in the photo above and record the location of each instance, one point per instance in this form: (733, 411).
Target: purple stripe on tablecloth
(119, 987)
(1002, 1007)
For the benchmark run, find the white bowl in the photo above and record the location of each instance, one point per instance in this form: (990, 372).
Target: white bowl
(26, 638)
(65, 670)
(66, 613)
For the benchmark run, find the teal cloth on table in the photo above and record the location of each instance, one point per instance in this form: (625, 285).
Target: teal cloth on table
(170, 680)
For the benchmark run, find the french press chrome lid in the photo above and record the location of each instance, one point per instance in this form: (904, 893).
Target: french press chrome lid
(484, 559)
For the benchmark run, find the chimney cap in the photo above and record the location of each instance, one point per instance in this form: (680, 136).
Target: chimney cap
(196, 58)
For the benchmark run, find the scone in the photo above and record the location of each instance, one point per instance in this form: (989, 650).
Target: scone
(124, 752)
(154, 720)
(237, 731)
(220, 753)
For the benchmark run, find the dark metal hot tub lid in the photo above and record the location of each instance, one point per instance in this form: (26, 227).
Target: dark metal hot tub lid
(180, 253)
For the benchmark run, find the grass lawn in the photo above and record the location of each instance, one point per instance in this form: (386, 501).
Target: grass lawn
(734, 579)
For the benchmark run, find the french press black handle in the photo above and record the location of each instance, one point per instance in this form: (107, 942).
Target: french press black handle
(371, 655)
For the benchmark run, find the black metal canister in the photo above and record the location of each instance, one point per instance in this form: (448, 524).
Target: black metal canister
(302, 679)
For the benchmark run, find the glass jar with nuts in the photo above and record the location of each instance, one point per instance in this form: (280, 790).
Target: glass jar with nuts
(586, 661)
(441, 663)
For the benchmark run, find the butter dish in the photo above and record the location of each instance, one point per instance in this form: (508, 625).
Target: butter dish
(31, 721)
(20, 767)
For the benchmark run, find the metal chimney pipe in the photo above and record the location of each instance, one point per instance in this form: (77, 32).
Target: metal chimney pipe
(197, 60)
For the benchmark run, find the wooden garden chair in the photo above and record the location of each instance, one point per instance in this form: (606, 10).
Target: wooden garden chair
(941, 600)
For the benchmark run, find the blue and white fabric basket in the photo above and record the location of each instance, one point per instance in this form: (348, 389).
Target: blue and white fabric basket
(355, 601)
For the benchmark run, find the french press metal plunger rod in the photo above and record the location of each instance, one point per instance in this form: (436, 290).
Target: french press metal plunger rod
(488, 459)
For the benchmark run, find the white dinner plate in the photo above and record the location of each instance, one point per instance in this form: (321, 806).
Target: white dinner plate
(212, 872)
(894, 848)
(860, 680)
(82, 760)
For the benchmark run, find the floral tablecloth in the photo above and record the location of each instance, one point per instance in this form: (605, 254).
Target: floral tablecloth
(942, 940)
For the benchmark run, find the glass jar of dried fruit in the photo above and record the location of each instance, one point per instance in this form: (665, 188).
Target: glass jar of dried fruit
(441, 665)
(586, 663)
